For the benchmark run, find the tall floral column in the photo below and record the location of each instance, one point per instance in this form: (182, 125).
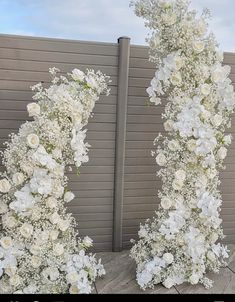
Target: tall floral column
(181, 243)
(40, 251)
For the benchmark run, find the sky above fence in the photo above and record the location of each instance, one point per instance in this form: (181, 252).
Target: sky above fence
(100, 20)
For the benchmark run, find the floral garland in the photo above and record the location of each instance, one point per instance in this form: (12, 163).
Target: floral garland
(180, 243)
(40, 251)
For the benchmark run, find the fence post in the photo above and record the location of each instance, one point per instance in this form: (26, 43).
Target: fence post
(123, 74)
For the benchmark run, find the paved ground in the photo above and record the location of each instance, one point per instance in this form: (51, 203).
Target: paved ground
(120, 278)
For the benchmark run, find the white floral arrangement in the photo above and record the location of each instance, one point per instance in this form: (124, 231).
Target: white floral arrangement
(181, 243)
(40, 251)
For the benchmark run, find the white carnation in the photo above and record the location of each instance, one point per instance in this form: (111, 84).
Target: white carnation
(6, 242)
(168, 257)
(5, 185)
(180, 175)
(26, 230)
(33, 109)
(168, 125)
(173, 145)
(166, 203)
(18, 178)
(161, 159)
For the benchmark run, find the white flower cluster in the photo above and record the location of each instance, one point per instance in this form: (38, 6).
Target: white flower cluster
(40, 251)
(180, 243)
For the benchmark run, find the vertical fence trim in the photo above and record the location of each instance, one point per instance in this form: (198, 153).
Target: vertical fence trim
(121, 116)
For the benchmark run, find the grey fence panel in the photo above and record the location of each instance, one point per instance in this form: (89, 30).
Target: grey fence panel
(25, 61)
(117, 188)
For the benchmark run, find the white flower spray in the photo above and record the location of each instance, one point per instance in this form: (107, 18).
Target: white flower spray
(40, 251)
(180, 243)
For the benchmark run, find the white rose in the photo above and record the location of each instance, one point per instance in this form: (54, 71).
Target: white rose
(178, 63)
(180, 175)
(33, 109)
(58, 249)
(191, 145)
(18, 178)
(161, 159)
(168, 257)
(78, 75)
(9, 221)
(227, 139)
(54, 235)
(74, 290)
(177, 184)
(4, 185)
(56, 153)
(55, 218)
(33, 140)
(211, 256)
(164, 4)
(63, 225)
(36, 261)
(15, 280)
(168, 283)
(68, 196)
(205, 89)
(3, 207)
(173, 145)
(72, 277)
(176, 78)
(222, 153)
(198, 46)
(6, 242)
(35, 249)
(10, 270)
(217, 120)
(51, 202)
(26, 230)
(219, 73)
(87, 241)
(168, 125)
(194, 279)
(166, 203)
